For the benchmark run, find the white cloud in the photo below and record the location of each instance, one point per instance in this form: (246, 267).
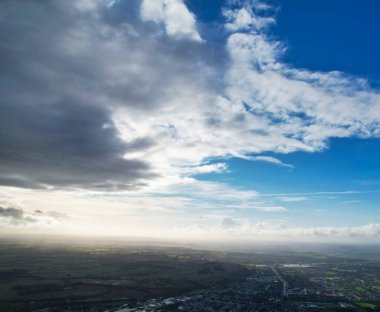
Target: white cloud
(202, 169)
(365, 231)
(242, 19)
(292, 199)
(327, 193)
(178, 20)
(270, 208)
(268, 159)
(309, 107)
(232, 229)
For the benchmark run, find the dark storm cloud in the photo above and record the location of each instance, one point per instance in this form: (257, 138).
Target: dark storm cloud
(62, 144)
(64, 68)
(50, 130)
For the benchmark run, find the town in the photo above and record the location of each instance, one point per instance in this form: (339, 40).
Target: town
(263, 291)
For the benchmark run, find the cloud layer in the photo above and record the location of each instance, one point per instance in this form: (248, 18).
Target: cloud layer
(116, 94)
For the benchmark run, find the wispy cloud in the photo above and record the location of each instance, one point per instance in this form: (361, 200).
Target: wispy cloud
(243, 229)
(318, 193)
(350, 201)
(202, 169)
(292, 199)
(269, 159)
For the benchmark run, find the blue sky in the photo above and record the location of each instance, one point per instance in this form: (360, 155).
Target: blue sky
(321, 36)
(226, 119)
(333, 36)
(348, 168)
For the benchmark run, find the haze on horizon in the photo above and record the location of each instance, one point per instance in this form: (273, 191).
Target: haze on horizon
(235, 120)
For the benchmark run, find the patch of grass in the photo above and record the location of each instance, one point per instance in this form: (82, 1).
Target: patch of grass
(249, 266)
(360, 289)
(366, 305)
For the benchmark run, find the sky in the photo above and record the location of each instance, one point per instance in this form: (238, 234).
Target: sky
(233, 120)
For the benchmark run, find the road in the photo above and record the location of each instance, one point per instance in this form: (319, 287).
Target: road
(284, 283)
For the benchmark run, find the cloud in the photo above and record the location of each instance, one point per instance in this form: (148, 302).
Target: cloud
(369, 230)
(231, 229)
(229, 223)
(243, 19)
(54, 130)
(270, 208)
(194, 215)
(11, 213)
(217, 195)
(64, 143)
(309, 107)
(60, 95)
(292, 199)
(350, 201)
(18, 218)
(210, 168)
(268, 159)
(96, 97)
(178, 20)
(327, 193)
